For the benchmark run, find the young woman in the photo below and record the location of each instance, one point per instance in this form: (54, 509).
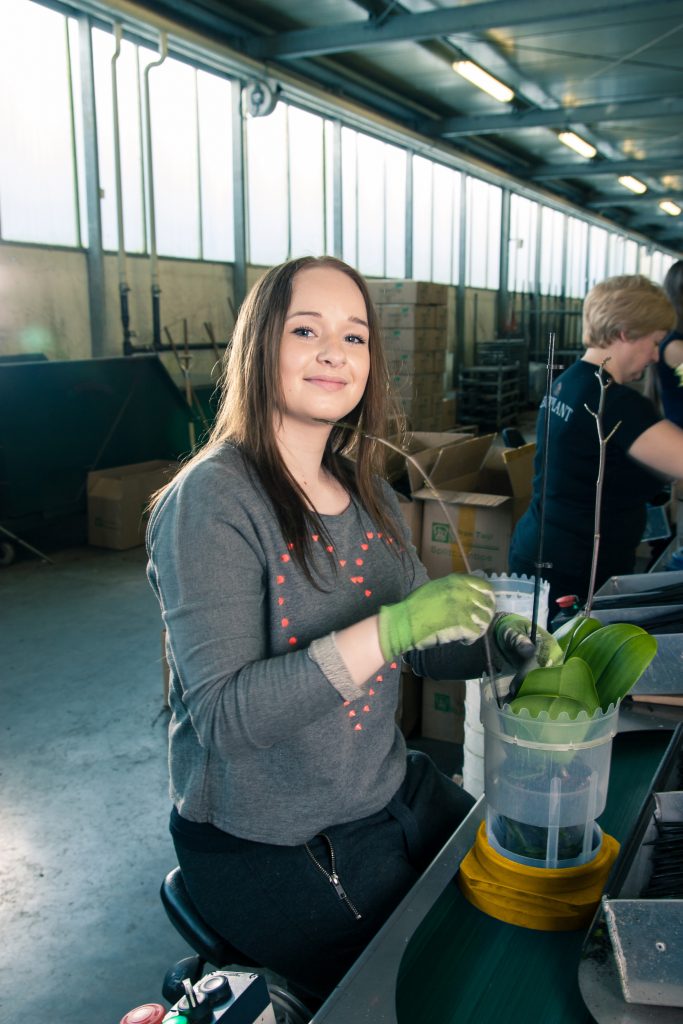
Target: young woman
(290, 590)
(624, 321)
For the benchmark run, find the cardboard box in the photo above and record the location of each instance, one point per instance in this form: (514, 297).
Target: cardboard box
(443, 710)
(425, 447)
(411, 339)
(398, 290)
(117, 502)
(417, 385)
(415, 362)
(485, 489)
(402, 316)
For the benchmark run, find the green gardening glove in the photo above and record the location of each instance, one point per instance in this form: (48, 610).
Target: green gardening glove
(453, 608)
(512, 635)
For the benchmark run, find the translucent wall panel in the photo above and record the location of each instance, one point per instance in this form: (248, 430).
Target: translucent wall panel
(644, 260)
(577, 256)
(130, 134)
(597, 255)
(552, 251)
(267, 203)
(371, 212)
(395, 205)
(349, 196)
(661, 262)
(173, 100)
(484, 203)
(214, 106)
(373, 205)
(630, 256)
(306, 183)
(522, 247)
(615, 254)
(79, 141)
(331, 199)
(38, 189)
(423, 186)
(445, 224)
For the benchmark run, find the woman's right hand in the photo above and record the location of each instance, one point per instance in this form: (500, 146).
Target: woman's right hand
(456, 607)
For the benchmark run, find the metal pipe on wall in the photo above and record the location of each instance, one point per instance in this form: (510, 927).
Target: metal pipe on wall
(153, 262)
(124, 288)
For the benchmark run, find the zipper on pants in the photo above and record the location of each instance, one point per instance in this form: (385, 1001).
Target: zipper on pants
(332, 876)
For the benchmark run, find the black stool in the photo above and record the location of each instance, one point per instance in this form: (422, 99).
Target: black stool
(212, 948)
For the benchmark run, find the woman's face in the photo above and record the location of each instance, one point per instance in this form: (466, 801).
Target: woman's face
(324, 349)
(632, 357)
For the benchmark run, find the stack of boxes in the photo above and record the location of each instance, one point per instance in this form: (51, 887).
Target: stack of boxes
(417, 328)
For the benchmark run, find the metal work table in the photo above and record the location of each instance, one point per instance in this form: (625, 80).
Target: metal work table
(438, 960)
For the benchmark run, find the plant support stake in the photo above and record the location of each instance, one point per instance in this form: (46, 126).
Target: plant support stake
(602, 441)
(540, 564)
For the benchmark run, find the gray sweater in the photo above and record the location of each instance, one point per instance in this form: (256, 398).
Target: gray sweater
(269, 737)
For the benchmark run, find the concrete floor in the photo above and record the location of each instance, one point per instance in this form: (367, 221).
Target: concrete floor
(83, 790)
(84, 840)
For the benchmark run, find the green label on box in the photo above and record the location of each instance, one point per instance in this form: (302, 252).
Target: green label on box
(441, 533)
(442, 702)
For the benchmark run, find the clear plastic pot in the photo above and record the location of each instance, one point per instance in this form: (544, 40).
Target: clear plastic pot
(546, 782)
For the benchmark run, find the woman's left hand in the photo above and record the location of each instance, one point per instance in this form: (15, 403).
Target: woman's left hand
(512, 634)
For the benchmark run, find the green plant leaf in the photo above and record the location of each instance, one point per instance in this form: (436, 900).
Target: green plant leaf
(625, 668)
(568, 687)
(566, 631)
(535, 703)
(617, 654)
(583, 629)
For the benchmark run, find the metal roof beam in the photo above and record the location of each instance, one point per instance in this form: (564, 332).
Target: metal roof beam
(477, 17)
(634, 201)
(558, 117)
(592, 168)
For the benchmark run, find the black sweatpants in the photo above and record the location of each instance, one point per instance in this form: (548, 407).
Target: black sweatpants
(273, 903)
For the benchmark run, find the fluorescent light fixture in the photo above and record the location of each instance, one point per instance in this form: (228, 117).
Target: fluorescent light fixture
(578, 144)
(670, 207)
(483, 80)
(633, 184)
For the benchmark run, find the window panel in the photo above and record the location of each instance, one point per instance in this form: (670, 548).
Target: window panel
(422, 218)
(330, 199)
(615, 254)
(552, 248)
(370, 206)
(306, 183)
(660, 264)
(38, 201)
(444, 211)
(484, 205)
(349, 197)
(214, 103)
(522, 248)
(597, 255)
(630, 256)
(130, 135)
(577, 252)
(172, 88)
(395, 211)
(268, 205)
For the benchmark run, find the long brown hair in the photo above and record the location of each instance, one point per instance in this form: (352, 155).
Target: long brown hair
(673, 286)
(251, 397)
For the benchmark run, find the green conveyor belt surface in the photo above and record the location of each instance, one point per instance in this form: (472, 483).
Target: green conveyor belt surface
(462, 965)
